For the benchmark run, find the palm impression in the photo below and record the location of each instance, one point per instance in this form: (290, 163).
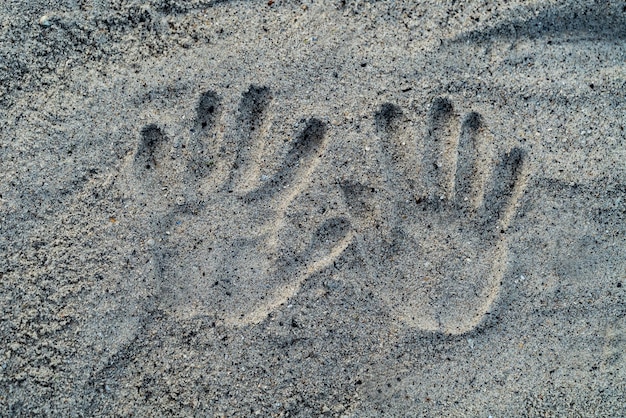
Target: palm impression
(434, 238)
(215, 221)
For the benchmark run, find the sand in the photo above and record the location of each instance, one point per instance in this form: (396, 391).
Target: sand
(341, 208)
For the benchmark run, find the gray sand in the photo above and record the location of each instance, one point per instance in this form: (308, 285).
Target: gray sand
(323, 208)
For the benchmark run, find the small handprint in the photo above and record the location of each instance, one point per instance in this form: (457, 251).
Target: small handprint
(439, 258)
(216, 221)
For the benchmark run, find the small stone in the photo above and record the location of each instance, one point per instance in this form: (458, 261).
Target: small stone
(45, 21)
(150, 242)
(339, 408)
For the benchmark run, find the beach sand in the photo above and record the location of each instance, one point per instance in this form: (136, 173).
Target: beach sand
(340, 208)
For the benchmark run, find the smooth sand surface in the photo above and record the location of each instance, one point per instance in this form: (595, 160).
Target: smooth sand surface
(340, 208)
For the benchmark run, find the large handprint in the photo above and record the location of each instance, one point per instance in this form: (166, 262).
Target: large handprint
(439, 257)
(215, 221)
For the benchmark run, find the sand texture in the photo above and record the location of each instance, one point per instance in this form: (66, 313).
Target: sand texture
(320, 208)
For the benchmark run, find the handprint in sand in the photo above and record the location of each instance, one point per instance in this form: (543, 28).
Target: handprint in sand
(433, 238)
(215, 222)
